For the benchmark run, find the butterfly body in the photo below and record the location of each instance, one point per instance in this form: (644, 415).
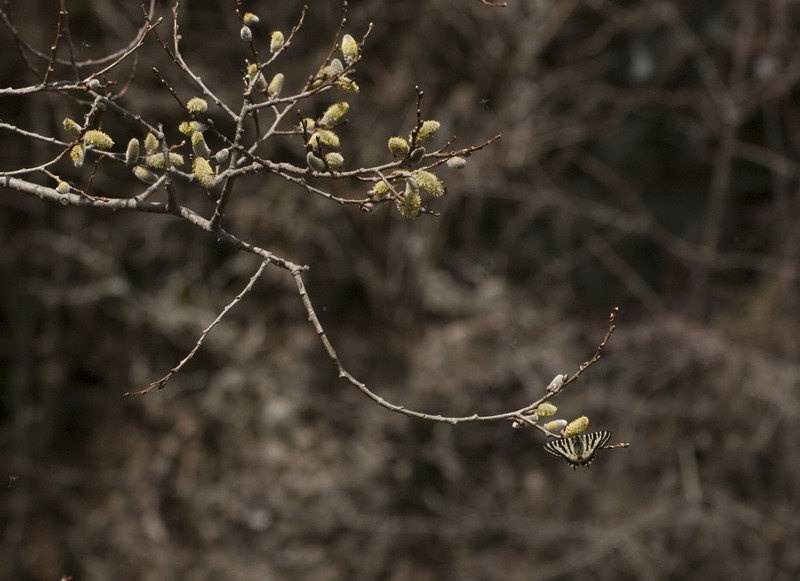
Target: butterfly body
(578, 450)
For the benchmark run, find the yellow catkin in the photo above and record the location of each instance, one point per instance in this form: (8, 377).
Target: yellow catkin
(411, 204)
(275, 86)
(334, 160)
(98, 139)
(349, 49)
(426, 130)
(158, 161)
(71, 127)
(197, 105)
(577, 426)
(379, 190)
(204, 172)
(347, 85)
(276, 41)
(545, 410)
(398, 146)
(334, 114)
(78, 154)
(150, 143)
(429, 182)
(324, 136)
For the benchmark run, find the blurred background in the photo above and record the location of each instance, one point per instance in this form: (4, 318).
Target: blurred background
(649, 161)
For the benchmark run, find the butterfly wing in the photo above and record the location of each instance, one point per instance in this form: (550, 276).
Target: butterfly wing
(578, 450)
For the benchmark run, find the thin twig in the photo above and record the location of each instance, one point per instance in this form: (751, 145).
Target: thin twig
(62, 14)
(70, 45)
(25, 48)
(163, 381)
(453, 420)
(178, 60)
(415, 131)
(149, 27)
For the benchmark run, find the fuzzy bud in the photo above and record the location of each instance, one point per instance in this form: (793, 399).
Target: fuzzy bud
(429, 182)
(78, 154)
(426, 130)
(260, 84)
(347, 85)
(98, 139)
(349, 49)
(132, 151)
(249, 19)
(411, 200)
(186, 128)
(62, 187)
(577, 426)
(324, 136)
(334, 160)
(307, 124)
(557, 382)
(71, 127)
(145, 175)
(275, 86)
(221, 156)
(257, 78)
(203, 172)
(94, 84)
(333, 114)
(416, 156)
(456, 162)
(335, 68)
(276, 41)
(199, 147)
(411, 206)
(150, 143)
(545, 410)
(556, 426)
(398, 146)
(197, 105)
(314, 162)
(246, 34)
(379, 190)
(158, 161)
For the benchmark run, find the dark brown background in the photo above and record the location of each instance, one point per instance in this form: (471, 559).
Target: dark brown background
(648, 161)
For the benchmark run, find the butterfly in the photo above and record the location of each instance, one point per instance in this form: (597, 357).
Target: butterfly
(578, 450)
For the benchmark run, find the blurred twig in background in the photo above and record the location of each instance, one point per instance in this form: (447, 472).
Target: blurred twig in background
(648, 160)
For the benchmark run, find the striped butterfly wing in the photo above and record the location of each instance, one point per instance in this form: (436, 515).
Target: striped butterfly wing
(578, 450)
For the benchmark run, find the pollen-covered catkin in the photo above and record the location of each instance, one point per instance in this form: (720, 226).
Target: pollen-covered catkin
(349, 49)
